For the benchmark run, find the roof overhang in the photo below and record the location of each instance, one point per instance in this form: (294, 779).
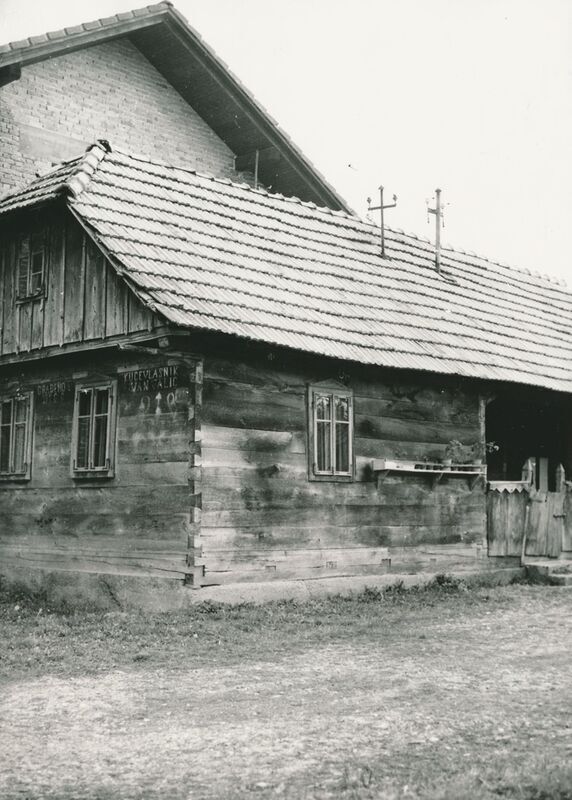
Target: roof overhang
(179, 53)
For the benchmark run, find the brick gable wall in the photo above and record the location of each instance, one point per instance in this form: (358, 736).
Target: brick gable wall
(107, 91)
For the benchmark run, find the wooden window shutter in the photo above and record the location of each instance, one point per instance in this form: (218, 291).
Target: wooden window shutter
(23, 265)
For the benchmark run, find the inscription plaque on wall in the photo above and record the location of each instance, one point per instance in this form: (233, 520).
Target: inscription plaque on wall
(154, 379)
(53, 391)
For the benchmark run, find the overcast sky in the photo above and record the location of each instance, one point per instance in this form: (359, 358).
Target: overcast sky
(473, 96)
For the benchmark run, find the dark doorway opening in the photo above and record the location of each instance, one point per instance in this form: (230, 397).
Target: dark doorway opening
(523, 425)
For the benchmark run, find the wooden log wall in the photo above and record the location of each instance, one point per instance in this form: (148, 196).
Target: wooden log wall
(137, 522)
(263, 519)
(83, 299)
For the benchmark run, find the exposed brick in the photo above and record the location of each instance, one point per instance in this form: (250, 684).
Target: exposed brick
(108, 91)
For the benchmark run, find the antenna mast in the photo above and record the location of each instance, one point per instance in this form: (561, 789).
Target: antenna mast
(381, 208)
(439, 223)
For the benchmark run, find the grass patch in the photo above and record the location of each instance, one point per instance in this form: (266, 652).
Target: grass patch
(436, 692)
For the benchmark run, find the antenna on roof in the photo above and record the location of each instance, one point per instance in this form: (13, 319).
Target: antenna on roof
(439, 223)
(381, 208)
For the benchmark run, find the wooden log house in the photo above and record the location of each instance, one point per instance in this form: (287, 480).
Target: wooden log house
(209, 382)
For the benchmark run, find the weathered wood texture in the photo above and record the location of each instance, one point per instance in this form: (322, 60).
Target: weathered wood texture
(506, 518)
(539, 520)
(138, 521)
(263, 519)
(545, 529)
(83, 297)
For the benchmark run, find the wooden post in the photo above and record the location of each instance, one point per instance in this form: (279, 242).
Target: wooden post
(560, 478)
(528, 471)
(194, 547)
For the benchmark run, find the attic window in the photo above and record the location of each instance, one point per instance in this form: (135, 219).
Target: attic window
(330, 433)
(31, 257)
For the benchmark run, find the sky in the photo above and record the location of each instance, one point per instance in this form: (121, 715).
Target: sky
(471, 96)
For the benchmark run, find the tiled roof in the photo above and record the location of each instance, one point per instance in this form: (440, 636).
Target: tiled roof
(202, 78)
(206, 253)
(22, 46)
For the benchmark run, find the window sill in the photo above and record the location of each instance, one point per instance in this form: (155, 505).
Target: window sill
(93, 474)
(331, 478)
(14, 478)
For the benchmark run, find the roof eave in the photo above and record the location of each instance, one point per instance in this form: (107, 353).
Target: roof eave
(72, 40)
(76, 38)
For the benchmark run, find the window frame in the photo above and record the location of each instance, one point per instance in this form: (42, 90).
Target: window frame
(107, 471)
(26, 473)
(31, 250)
(333, 390)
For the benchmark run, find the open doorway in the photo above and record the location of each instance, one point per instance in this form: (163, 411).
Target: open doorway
(527, 424)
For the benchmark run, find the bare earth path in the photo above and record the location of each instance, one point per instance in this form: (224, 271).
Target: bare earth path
(447, 699)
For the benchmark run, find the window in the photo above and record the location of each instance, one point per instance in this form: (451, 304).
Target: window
(331, 433)
(93, 445)
(15, 436)
(31, 265)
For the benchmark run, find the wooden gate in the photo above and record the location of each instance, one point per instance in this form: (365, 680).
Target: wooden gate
(522, 521)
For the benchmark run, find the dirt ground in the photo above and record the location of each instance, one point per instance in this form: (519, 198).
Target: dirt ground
(436, 696)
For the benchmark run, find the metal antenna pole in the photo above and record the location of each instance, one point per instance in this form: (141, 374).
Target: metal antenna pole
(381, 208)
(438, 211)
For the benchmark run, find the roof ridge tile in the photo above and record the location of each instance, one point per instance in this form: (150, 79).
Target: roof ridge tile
(86, 167)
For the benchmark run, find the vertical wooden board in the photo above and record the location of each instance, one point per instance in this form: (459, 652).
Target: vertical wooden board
(3, 262)
(74, 283)
(37, 324)
(506, 514)
(115, 320)
(24, 314)
(537, 528)
(10, 317)
(567, 509)
(140, 318)
(555, 523)
(53, 311)
(95, 293)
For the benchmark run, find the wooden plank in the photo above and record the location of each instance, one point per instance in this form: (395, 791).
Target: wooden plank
(254, 459)
(96, 499)
(110, 563)
(333, 537)
(94, 323)
(24, 314)
(292, 538)
(4, 250)
(297, 572)
(427, 406)
(393, 429)
(140, 318)
(436, 558)
(37, 324)
(567, 533)
(392, 448)
(239, 371)
(537, 528)
(506, 516)
(555, 527)
(228, 438)
(54, 310)
(10, 317)
(339, 558)
(115, 304)
(161, 525)
(74, 283)
(98, 544)
(274, 489)
(411, 517)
